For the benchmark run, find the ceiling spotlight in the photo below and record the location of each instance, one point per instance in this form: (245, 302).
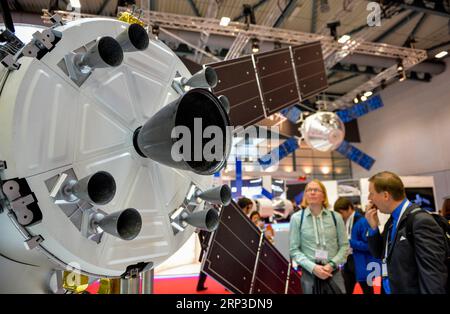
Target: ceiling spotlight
(356, 100)
(402, 76)
(441, 54)
(224, 21)
(276, 45)
(344, 39)
(363, 98)
(400, 66)
(333, 28)
(255, 45)
(368, 94)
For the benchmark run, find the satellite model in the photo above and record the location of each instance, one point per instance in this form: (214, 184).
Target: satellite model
(88, 183)
(88, 180)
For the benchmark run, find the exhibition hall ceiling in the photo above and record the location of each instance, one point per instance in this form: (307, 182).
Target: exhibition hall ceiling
(429, 28)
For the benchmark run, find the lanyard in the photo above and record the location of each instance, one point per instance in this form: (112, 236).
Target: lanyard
(349, 224)
(316, 231)
(405, 206)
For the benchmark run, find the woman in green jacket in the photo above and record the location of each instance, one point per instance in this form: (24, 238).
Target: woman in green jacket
(318, 242)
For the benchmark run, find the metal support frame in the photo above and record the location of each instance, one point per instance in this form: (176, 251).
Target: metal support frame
(369, 70)
(165, 31)
(254, 7)
(211, 12)
(333, 51)
(292, 4)
(242, 39)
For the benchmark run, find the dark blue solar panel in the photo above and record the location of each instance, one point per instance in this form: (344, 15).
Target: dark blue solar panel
(361, 109)
(355, 155)
(293, 114)
(279, 153)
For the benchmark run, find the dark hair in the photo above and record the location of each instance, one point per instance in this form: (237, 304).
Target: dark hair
(254, 213)
(446, 207)
(244, 202)
(389, 182)
(343, 203)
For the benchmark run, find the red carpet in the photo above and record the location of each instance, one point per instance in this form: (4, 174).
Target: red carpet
(187, 285)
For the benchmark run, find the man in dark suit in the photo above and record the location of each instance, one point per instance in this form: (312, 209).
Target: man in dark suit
(408, 267)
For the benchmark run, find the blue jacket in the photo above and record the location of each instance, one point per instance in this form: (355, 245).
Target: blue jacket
(358, 243)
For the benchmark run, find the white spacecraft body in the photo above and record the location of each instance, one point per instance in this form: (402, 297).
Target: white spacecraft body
(323, 131)
(49, 125)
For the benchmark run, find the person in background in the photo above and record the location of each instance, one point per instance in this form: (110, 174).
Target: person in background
(359, 257)
(411, 265)
(445, 210)
(203, 237)
(318, 242)
(255, 217)
(246, 205)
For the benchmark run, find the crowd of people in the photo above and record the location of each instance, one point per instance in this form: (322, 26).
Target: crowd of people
(335, 247)
(411, 254)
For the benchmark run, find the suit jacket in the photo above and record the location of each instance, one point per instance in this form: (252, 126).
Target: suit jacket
(417, 267)
(203, 237)
(358, 243)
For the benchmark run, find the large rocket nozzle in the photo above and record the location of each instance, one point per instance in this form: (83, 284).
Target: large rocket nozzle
(98, 188)
(125, 224)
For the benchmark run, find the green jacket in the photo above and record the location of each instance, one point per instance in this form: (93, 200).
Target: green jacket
(303, 243)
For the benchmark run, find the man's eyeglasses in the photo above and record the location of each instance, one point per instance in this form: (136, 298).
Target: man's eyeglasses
(313, 190)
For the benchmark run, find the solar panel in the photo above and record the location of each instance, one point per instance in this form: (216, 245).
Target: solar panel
(279, 153)
(310, 69)
(237, 81)
(293, 114)
(241, 258)
(272, 270)
(262, 84)
(277, 79)
(356, 155)
(360, 109)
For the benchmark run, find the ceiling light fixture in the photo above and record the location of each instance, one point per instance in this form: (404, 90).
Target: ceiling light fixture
(255, 45)
(441, 54)
(344, 39)
(225, 21)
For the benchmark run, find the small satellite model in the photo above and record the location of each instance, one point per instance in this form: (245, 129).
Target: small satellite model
(323, 131)
(88, 181)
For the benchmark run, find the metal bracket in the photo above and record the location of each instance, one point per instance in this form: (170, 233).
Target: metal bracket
(178, 84)
(3, 165)
(87, 229)
(23, 214)
(9, 62)
(56, 20)
(77, 75)
(42, 43)
(188, 206)
(33, 242)
(132, 271)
